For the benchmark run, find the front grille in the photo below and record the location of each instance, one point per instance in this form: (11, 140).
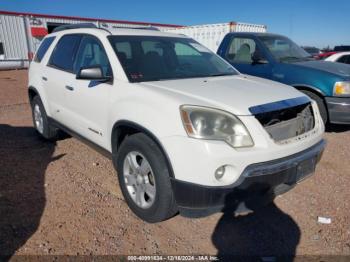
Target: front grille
(288, 122)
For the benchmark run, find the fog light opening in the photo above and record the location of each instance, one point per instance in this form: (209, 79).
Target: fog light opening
(220, 172)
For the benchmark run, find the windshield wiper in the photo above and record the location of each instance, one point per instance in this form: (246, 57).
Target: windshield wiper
(183, 77)
(289, 57)
(296, 59)
(222, 74)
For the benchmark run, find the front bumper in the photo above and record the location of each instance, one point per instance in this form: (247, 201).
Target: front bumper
(338, 109)
(258, 185)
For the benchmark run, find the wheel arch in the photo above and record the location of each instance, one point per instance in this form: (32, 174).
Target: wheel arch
(309, 88)
(317, 92)
(123, 128)
(32, 92)
(314, 90)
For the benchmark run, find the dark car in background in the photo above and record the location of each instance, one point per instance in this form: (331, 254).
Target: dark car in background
(278, 58)
(342, 48)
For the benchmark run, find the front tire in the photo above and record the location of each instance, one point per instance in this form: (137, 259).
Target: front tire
(144, 178)
(40, 120)
(320, 103)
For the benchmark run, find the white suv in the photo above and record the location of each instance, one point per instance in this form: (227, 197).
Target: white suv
(185, 130)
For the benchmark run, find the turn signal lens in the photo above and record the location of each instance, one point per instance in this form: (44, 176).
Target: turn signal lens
(220, 172)
(341, 89)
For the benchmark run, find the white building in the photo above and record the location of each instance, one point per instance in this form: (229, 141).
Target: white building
(21, 33)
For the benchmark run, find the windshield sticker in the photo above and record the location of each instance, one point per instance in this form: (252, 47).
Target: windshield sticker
(200, 48)
(136, 75)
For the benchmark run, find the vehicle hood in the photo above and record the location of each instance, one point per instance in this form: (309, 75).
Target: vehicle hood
(231, 93)
(330, 67)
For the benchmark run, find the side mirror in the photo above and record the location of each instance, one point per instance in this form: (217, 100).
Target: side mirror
(92, 73)
(257, 58)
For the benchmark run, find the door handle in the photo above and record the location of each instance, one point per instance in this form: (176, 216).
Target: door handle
(44, 78)
(70, 88)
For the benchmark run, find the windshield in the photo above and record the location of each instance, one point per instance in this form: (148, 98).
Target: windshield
(154, 58)
(284, 50)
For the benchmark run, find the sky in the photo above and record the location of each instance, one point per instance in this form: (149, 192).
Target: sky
(309, 23)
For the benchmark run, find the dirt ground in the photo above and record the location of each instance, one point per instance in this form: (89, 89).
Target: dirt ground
(64, 198)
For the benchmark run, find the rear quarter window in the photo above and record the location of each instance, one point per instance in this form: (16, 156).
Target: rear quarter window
(43, 49)
(344, 59)
(63, 55)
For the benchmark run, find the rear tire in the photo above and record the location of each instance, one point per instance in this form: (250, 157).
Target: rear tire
(144, 178)
(320, 103)
(40, 120)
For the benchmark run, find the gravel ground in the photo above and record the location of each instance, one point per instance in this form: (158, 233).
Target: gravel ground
(64, 198)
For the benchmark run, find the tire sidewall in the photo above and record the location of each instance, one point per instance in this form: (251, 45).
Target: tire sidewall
(163, 198)
(37, 101)
(321, 106)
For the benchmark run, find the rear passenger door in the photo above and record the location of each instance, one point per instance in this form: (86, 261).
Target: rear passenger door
(58, 76)
(239, 54)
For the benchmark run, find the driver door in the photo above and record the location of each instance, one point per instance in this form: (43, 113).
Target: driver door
(239, 54)
(88, 99)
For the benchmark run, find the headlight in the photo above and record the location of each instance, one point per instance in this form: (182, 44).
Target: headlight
(214, 124)
(341, 89)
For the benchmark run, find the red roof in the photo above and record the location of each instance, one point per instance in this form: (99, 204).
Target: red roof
(86, 19)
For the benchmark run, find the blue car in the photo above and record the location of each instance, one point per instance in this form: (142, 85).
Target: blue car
(278, 58)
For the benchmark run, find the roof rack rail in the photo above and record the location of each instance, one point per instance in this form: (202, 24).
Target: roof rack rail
(74, 26)
(91, 25)
(138, 28)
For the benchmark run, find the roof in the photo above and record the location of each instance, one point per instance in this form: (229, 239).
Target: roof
(3, 12)
(256, 34)
(143, 32)
(116, 31)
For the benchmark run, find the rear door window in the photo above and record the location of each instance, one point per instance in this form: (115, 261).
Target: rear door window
(241, 50)
(43, 48)
(64, 54)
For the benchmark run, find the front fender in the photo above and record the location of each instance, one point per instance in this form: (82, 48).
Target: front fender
(319, 81)
(160, 120)
(35, 84)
